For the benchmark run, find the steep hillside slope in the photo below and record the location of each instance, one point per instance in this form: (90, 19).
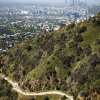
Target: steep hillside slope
(67, 60)
(5, 91)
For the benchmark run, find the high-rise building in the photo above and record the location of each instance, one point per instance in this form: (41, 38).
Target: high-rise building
(75, 2)
(69, 2)
(66, 1)
(78, 2)
(72, 2)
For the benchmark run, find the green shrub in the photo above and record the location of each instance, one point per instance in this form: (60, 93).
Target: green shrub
(46, 98)
(63, 98)
(82, 28)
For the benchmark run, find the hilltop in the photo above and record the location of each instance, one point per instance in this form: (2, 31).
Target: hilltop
(66, 60)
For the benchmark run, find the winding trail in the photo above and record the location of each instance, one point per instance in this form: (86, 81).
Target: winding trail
(19, 90)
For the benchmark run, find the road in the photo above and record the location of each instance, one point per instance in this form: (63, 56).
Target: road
(19, 90)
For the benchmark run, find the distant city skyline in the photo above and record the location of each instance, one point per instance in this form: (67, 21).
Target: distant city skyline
(72, 2)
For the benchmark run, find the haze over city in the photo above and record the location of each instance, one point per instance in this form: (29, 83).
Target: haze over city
(48, 1)
(49, 49)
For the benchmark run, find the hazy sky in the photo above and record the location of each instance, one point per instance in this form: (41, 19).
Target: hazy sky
(34, 0)
(59, 1)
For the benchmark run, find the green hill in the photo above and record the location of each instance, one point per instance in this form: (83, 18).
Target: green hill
(67, 60)
(6, 93)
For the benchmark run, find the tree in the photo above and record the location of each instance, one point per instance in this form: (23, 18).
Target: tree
(29, 48)
(87, 50)
(46, 98)
(33, 98)
(97, 42)
(82, 29)
(63, 98)
(97, 19)
(94, 60)
(78, 38)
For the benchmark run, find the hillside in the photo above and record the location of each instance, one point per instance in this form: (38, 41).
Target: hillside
(67, 60)
(5, 91)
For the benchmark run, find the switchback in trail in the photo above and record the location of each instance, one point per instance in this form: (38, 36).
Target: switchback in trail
(19, 90)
